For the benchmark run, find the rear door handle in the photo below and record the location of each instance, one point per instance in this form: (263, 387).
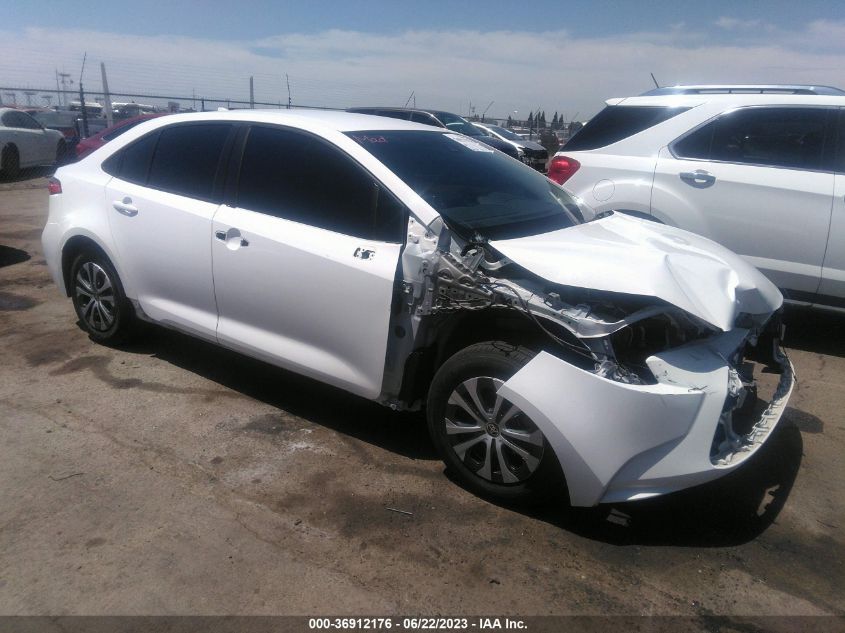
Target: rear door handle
(698, 178)
(364, 253)
(125, 206)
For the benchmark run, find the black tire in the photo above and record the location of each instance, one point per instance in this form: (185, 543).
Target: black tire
(490, 362)
(102, 307)
(10, 163)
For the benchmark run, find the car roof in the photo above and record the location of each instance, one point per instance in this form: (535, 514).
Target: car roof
(726, 99)
(329, 119)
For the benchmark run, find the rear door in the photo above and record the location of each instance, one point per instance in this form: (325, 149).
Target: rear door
(160, 203)
(305, 260)
(758, 180)
(832, 287)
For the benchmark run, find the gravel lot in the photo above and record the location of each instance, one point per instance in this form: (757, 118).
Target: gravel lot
(173, 477)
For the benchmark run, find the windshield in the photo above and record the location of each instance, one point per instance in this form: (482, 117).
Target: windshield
(511, 136)
(481, 193)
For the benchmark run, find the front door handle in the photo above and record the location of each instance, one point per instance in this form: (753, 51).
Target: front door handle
(125, 207)
(698, 178)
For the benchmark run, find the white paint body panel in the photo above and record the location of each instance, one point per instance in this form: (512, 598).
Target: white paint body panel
(166, 253)
(624, 254)
(833, 275)
(297, 296)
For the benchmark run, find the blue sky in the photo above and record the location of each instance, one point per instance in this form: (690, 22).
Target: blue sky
(508, 56)
(257, 19)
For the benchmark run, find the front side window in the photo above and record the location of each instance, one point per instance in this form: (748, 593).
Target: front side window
(299, 177)
(616, 123)
(778, 137)
(187, 158)
(481, 193)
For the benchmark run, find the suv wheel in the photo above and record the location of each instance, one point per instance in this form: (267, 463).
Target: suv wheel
(102, 307)
(488, 443)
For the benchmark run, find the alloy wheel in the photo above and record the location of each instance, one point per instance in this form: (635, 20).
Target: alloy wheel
(95, 296)
(491, 436)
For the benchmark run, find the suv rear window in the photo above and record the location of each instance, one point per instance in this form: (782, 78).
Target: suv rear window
(615, 123)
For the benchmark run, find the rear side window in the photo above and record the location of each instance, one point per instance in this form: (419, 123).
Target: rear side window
(135, 165)
(299, 177)
(615, 123)
(793, 138)
(187, 158)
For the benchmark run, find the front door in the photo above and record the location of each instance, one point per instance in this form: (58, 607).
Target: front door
(305, 262)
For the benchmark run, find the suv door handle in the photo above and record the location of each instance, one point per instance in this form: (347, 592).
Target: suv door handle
(698, 178)
(125, 207)
(364, 253)
(223, 236)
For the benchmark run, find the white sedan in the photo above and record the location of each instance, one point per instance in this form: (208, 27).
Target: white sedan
(24, 142)
(422, 269)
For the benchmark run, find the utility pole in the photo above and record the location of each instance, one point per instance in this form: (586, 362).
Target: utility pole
(65, 81)
(106, 96)
(251, 93)
(58, 90)
(82, 100)
(287, 79)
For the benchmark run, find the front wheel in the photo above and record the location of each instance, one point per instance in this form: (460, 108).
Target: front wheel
(487, 442)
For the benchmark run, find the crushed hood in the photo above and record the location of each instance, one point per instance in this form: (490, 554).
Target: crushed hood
(624, 254)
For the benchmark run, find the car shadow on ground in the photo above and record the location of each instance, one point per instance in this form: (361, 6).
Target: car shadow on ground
(815, 331)
(729, 511)
(400, 432)
(10, 256)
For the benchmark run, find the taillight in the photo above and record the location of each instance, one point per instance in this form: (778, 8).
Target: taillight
(562, 168)
(54, 186)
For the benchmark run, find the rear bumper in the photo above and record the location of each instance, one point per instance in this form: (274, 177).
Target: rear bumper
(619, 442)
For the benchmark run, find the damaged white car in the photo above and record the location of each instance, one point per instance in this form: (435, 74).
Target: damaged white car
(419, 268)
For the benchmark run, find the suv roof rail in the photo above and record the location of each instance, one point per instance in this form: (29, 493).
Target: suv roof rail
(745, 89)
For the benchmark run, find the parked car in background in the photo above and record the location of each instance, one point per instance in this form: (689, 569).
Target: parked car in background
(88, 145)
(529, 152)
(67, 123)
(25, 143)
(416, 266)
(759, 169)
(447, 120)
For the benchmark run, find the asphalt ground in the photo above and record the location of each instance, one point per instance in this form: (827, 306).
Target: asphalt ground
(170, 476)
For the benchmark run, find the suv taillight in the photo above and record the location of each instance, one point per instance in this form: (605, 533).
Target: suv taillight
(54, 186)
(562, 168)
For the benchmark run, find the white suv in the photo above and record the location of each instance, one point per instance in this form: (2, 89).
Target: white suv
(759, 169)
(418, 267)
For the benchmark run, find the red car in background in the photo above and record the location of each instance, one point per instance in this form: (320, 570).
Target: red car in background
(88, 145)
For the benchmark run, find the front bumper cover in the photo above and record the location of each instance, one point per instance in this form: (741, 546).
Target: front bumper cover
(621, 442)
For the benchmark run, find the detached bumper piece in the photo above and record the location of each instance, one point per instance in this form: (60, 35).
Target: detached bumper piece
(621, 442)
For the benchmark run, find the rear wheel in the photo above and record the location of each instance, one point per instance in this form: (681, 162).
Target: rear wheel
(102, 307)
(487, 442)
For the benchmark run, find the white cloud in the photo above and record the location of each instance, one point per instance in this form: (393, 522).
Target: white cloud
(554, 70)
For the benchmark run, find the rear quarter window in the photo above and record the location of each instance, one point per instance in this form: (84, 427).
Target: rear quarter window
(616, 123)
